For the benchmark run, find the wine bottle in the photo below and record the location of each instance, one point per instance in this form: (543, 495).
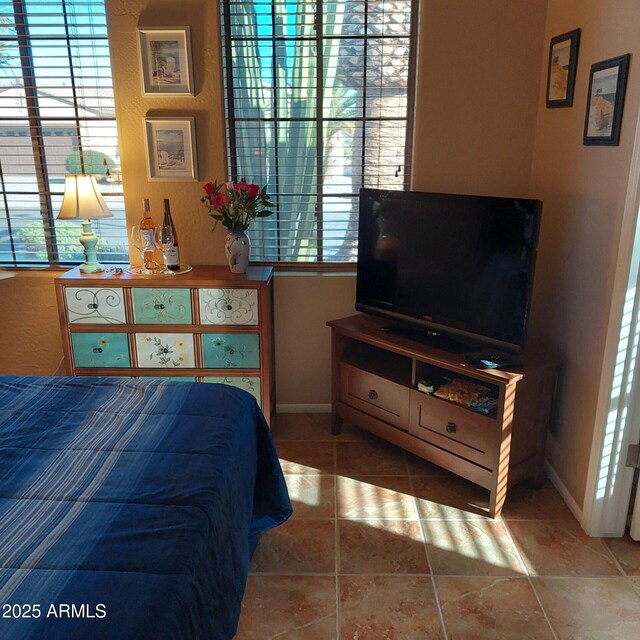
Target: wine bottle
(149, 228)
(172, 257)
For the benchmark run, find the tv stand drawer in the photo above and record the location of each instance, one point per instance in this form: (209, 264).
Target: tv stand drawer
(374, 395)
(455, 429)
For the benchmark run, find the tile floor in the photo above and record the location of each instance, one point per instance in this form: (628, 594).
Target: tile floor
(385, 546)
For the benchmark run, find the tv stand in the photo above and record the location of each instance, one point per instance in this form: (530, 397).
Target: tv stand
(374, 385)
(432, 338)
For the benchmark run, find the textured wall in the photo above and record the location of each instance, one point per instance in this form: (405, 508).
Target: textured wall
(197, 244)
(583, 188)
(30, 341)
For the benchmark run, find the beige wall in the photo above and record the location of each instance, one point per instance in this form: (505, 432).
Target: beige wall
(583, 188)
(30, 341)
(477, 91)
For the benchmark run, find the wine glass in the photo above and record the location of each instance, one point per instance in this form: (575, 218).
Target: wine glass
(143, 240)
(164, 242)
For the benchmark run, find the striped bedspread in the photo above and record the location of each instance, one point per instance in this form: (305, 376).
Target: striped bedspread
(129, 508)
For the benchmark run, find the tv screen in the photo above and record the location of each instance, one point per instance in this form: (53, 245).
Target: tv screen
(457, 264)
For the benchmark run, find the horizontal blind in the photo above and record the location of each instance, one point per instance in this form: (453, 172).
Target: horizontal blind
(57, 116)
(318, 97)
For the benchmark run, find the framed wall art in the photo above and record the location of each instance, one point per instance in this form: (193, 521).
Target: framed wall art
(165, 61)
(171, 149)
(563, 62)
(605, 101)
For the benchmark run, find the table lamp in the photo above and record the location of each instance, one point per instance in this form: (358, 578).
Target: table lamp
(82, 199)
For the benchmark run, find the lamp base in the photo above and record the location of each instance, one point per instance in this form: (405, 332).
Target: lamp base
(89, 240)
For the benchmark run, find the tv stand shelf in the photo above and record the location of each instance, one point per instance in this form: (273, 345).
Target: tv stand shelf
(374, 376)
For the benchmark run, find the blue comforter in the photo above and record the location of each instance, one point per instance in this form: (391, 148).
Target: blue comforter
(130, 508)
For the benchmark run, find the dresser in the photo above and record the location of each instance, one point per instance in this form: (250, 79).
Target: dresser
(208, 325)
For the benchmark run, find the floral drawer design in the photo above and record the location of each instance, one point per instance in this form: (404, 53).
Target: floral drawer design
(231, 350)
(100, 349)
(95, 305)
(161, 306)
(169, 350)
(229, 306)
(247, 383)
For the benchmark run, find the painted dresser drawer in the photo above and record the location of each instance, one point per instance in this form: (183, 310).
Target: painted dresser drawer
(231, 350)
(161, 306)
(100, 349)
(95, 305)
(247, 383)
(229, 306)
(169, 350)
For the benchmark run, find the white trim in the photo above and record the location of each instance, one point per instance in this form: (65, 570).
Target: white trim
(303, 408)
(606, 505)
(563, 491)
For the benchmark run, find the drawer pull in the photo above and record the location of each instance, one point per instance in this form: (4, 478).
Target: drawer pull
(97, 350)
(373, 394)
(92, 305)
(158, 307)
(451, 427)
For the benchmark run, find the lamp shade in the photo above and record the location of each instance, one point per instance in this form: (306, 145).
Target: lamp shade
(82, 199)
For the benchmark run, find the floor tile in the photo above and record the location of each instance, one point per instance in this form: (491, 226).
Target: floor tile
(291, 607)
(306, 457)
(376, 497)
(297, 546)
(312, 426)
(635, 583)
(526, 503)
(399, 607)
(627, 553)
(590, 608)
(483, 608)
(371, 458)
(450, 497)
(470, 548)
(312, 496)
(561, 548)
(381, 546)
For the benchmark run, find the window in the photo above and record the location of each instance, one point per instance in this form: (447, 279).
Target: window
(56, 107)
(318, 98)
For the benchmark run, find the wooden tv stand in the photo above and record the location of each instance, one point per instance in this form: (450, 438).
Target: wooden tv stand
(374, 385)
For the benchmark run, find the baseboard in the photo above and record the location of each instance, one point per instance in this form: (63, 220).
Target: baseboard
(303, 408)
(563, 491)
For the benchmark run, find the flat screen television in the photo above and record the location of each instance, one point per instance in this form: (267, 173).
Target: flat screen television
(449, 264)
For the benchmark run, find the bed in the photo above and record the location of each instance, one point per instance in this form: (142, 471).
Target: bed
(130, 508)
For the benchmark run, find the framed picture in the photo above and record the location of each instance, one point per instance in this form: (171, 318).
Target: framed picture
(605, 100)
(171, 149)
(563, 62)
(165, 61)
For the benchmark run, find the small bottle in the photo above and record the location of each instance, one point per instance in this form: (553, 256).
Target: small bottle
(172, 257)
(149, 227)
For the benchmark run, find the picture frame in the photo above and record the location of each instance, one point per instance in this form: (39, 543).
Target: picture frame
(171, 149)
(165, 61)
(561, 72)
(605, 101)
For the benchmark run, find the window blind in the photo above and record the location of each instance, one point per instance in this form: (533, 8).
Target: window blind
(57, 116)
(318, 99)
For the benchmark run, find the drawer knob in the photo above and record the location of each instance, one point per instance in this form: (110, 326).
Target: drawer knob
(373, 394)
(97, 350)
(451, 427)
(92, 305)
(159, 307)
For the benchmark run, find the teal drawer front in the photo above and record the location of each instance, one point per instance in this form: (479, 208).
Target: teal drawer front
(231, 350)
(100, 349)
(248, 383)
(161, 306)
